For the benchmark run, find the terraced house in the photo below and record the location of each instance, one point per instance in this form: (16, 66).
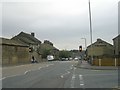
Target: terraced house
(116, 42)
(33, 43)
(13, 52)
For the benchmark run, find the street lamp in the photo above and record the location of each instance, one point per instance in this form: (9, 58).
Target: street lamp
(90, 30)
(85, 43)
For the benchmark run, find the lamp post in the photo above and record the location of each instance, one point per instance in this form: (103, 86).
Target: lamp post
(90, 31)
(85, 43)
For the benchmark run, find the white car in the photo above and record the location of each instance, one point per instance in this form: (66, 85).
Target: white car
(50, 57)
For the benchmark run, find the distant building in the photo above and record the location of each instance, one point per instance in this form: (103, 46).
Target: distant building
(14, 52)
(48, 42)
(100, 48)
(30, 40)
(116, 42)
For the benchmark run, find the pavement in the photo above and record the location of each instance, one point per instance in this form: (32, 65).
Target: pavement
(86, 65)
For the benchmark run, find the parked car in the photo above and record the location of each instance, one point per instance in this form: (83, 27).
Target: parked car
(50, 57)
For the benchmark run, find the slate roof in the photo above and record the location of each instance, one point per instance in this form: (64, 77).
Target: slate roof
(4, 41)
(25, 38)
(100, 40)
(44, 45)
(116, 37)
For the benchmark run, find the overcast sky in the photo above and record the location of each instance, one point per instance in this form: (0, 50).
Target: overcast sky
(63, 22)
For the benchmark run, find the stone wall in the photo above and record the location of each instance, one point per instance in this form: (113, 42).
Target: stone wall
(13, 55)
(106, 61)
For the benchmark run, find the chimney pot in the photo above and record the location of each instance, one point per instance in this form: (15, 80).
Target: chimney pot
(32, 34)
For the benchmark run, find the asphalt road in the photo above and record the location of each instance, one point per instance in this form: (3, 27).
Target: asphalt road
(61, 74)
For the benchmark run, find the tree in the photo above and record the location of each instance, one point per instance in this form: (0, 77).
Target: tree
(64, 54)
(45, 52)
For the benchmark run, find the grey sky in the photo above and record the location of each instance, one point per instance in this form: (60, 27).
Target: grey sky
(64, 22)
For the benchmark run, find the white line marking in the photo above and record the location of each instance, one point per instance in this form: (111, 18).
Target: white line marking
(27, 71)
(73, 81)
(2, 78)
(39, 68)
(9, 76)
(81, 84)
(75, 68)
(81, 81)
(73, 78)
(68, 72)
(62, 76)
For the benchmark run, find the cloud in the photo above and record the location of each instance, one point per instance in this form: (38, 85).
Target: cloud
(64, 22)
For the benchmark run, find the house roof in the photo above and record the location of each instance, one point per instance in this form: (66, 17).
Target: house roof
(98, 42)
(4, 41)
(116, 37)
(26, 39)
(48, 46)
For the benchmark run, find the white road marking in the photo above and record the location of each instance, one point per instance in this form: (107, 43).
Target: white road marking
(62, 76)
(75, 68)
(73, 81)
(81, 84)
(47, 65)
(81, 81)
(39, 68)
(9, 76)
(27, 71)
(2, 78)
(73, 78)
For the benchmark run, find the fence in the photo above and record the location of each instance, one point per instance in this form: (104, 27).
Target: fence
(106, 61)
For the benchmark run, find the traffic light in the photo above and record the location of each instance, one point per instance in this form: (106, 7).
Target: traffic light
(80, 48)
(30, 49)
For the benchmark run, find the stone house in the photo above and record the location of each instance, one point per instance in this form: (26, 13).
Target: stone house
(31, 41)
(102, 52)
(116, 43)
(13, 52)
(100, 48)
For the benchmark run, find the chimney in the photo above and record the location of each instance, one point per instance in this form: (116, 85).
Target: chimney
(32, 34)
(99, 39)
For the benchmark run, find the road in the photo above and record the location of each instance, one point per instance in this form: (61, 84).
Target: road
(60, 74)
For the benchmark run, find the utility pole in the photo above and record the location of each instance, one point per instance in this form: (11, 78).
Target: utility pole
(90, 31)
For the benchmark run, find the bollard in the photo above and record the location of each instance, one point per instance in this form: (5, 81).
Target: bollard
(115, 62)
(99, 62)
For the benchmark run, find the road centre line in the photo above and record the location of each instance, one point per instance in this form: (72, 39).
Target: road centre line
(73, 81)
(73, 78)
(62, 76)
(81, 81)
